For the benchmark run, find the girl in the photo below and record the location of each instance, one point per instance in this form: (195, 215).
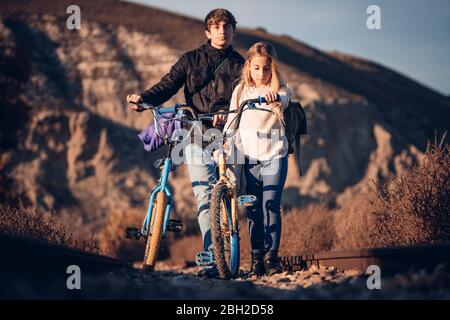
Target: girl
(261, 139)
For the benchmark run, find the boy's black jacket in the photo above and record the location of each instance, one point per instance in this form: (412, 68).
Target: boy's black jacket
(204, 91)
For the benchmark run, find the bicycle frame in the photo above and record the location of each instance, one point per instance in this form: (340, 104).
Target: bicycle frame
(161, 186)
(163, 180)
(223, 177)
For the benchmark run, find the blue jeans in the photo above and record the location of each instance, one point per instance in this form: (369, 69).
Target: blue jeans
(202, 172)
(265, 180)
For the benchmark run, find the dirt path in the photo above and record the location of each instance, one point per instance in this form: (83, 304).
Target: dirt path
(171, 282)
(315, 283)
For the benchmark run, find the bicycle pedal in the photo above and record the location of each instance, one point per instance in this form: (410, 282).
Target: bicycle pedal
(133, 233)
(247, 200)
(204, 258)
(175, 225)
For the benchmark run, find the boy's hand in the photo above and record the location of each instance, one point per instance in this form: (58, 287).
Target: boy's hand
(271, 97)
(134, 98)
(219, 119)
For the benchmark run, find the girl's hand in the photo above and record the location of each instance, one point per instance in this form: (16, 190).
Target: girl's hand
(219, 119)
(134, 98)
(271, 97)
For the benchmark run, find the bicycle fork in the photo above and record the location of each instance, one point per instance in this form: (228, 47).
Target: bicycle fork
(225, 229)
(169, 224)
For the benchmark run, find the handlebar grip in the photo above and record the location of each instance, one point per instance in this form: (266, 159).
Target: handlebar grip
(262, 99)
(163, 110)
(208, 118)
(142, 104)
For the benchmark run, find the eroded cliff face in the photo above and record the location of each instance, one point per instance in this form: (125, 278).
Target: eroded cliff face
(70, 155)
(71, 143)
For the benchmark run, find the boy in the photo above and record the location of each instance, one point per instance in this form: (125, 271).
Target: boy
(207, 74)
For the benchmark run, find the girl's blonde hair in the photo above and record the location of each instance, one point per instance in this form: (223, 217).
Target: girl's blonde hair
(264, 49)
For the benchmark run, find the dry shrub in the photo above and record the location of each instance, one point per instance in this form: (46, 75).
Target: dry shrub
(112, 236)
(354, 225)
(113, 242)
(307, 230)
(29, 224)
(414, 208)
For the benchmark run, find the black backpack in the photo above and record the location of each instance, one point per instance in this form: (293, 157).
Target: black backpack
(295, 119)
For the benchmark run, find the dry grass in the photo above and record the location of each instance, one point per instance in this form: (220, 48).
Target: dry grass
(307, 230)
(354, 224)
(414, 208)
(29, 224)
(112, 236)
(113, 242)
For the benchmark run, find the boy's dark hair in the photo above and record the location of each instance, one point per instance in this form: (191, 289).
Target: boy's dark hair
(218, 15)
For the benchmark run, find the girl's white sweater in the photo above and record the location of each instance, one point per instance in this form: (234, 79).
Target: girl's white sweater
(261, 135)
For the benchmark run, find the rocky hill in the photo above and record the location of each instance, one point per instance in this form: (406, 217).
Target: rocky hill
(69, 143)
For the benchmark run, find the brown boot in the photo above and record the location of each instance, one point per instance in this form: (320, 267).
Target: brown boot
(272, 263)
(258, 268)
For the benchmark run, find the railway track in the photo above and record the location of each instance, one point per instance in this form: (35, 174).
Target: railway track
(37, 270)
(390, 260)
(42, 259)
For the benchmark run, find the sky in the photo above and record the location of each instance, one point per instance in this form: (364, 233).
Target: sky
(414, 38)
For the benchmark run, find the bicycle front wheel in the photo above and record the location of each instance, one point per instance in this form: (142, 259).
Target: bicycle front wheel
(155, 232)
(224, 236)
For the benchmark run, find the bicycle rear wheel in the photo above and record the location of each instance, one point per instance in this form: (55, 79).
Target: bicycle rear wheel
(155, 232)
(225, 241)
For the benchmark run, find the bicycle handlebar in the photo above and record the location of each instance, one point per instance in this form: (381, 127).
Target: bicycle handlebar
(260, 100)
(158, 110)
(206, 116)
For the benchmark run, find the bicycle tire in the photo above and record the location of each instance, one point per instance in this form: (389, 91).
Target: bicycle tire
(227, 261)
(155, 232)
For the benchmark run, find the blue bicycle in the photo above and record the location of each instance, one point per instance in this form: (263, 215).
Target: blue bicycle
(157, 220)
